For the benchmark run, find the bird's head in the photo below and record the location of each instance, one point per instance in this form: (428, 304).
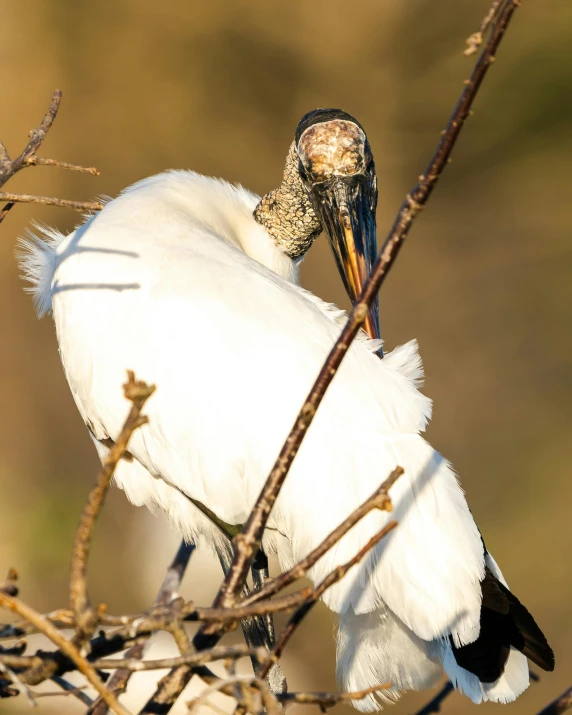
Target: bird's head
(329, 184)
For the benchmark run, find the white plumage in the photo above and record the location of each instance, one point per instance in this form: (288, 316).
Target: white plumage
(175, 280)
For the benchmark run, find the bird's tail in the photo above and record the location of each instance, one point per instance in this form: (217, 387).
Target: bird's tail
(376, 648)
(36, 256)
(494, 666)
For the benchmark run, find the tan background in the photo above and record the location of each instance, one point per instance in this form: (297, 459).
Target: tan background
(484, 282)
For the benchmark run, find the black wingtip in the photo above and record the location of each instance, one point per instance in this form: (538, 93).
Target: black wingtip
(505, 623)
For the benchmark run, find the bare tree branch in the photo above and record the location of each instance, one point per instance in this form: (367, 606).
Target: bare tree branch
(328, 700)
(560, 705)
(71, 690)
(378, 500)
(169, 588)
(40, 161)
(314, 596)
(9, 167)
(28, 157)
(66, 647)
(476, 39)
(86, 619)
(217, 653)
(51, 201)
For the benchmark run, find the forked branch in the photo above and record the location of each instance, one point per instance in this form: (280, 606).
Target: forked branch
(29, 157)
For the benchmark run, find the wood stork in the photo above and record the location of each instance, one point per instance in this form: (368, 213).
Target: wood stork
(192, 283)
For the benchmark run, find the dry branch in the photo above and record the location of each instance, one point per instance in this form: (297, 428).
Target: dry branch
(217, 653)
(328, 700)
(65, 646)
(378, 500)
(170, 586)
(560, 705)
(9, 167)
(314, 596)
(86, 618)
(51, 201)
(475, 40)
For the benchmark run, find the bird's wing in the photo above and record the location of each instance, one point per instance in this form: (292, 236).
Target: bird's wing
(233, 350)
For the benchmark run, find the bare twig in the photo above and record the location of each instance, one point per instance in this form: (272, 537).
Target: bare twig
(70, 689)
(378, 500)
(434, 705)
(217, 653)
(475, 40)
(8, 167)
(62, 618)
(328, 700)
(241, 687)
(313, 598)
(28, 157)
(66, 647)
(51, 201)
(560, 705)
(169, 588)
(86, 618)
(40, 161)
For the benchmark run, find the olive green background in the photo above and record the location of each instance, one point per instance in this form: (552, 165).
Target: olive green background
(484, 281)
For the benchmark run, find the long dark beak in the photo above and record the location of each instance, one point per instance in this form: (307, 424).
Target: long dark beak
(346, 207)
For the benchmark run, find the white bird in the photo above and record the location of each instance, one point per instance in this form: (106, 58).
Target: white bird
(192, 283)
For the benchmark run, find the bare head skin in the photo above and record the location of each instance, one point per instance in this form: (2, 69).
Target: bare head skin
(329, 184)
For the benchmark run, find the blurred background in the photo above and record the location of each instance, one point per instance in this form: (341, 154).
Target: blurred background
(484, 282)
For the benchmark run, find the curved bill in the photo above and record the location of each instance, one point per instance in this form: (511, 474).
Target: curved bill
(348, 216)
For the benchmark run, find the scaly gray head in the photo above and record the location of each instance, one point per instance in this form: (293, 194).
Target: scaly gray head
(329, 184)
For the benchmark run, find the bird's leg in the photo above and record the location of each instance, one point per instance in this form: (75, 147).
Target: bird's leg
(258, 630)
(260, 575)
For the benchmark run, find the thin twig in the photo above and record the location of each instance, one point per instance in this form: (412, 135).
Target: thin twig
(332, 578)
(28, 157)
(8, 167)
(86, 619)
(70, 689)
(40, 161)
(61, 618)
(51, 201)
(168, 591)
(434, 705)
(560, 705)
(378, 500)
(66, 647)
(208, 656)
(475, 40)
(327, 700)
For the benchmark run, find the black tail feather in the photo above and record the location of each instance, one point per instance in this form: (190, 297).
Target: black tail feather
(505, 622)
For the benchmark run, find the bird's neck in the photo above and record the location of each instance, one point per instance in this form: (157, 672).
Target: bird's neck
(287, 214)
